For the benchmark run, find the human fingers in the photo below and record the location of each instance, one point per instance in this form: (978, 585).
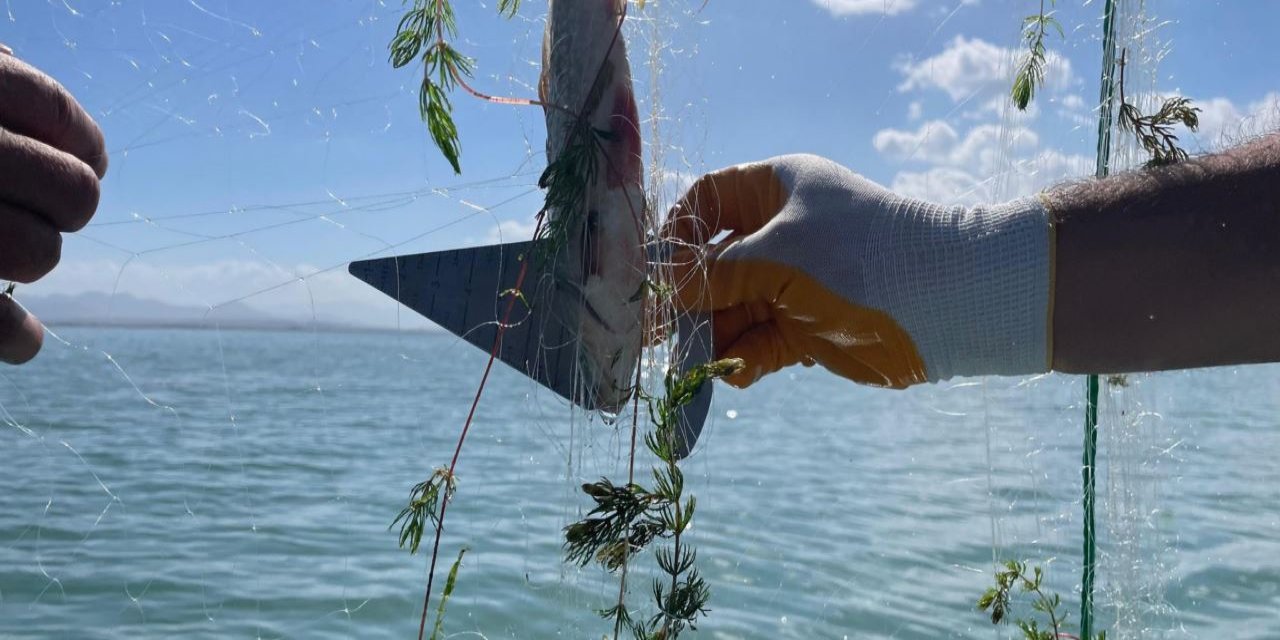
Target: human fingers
(727, 275)
(763, 349)
(36, 106)
(770, 346)
(872, 365)
(30, 247)
(46, 181)
(20, 332)
(740, 199)
(767, 342)
(727, 325)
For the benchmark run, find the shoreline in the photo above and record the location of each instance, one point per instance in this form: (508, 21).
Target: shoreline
(234, 326)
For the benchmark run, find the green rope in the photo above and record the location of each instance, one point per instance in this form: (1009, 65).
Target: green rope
(1106, 97)
(1106, 100)
(1090, 543)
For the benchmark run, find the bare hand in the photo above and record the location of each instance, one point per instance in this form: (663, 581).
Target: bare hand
(51, 159)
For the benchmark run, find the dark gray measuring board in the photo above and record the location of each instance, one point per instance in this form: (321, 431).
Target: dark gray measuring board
(463, 291)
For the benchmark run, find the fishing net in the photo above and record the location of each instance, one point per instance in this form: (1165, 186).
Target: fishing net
(223, 423)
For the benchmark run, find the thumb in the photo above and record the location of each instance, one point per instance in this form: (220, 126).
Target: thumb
(763, 349)
(21, 333)
(738, 199)
(727, 275)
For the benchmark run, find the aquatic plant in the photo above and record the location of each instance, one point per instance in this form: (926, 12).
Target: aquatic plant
(568, 176)
(628, 517)
(425, 505)
(425, 25)
(1030, 72)
(1155, 132)
(423, 35)
(1015, 577)
(437, 631)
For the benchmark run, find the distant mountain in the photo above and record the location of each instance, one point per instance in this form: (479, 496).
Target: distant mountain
(125, 310)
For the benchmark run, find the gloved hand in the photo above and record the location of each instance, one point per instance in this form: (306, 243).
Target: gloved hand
(821, 265)
(51, 158)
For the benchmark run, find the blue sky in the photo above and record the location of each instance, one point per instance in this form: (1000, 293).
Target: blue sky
(257, 144)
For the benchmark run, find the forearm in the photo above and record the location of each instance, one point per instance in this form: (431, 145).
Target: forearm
(1175, 267)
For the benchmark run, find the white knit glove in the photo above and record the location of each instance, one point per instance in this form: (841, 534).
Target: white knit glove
(824, 266)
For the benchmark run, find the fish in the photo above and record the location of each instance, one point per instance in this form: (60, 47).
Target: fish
(580, 327)
(590, 108)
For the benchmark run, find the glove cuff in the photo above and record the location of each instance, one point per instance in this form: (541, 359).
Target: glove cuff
(980, 300)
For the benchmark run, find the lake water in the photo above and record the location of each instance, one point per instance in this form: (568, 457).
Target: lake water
(208, 484)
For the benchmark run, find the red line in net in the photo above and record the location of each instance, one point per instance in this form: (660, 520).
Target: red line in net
(466, 427)
(497, 340)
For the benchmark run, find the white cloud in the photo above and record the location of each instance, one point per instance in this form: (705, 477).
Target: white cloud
(511, 231)
(676, 182)
(1018, 177)
(936, 142)
(986, 144)
(1216, 115)
(1074, 110)
(841, 8)
(1223, 123)
(1073, 102)
(672, 184)
(984, 151)
(932, 140)
(947, 185)
(987, 163)
(970, 68)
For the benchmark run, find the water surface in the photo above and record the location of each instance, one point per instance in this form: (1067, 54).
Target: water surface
(211, 484)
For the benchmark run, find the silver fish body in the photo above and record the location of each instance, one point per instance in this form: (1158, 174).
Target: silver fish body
(601, 258)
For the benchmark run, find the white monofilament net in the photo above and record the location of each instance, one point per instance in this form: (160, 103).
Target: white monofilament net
(223, 423)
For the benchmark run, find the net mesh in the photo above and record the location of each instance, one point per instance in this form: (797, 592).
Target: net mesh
(233, 482)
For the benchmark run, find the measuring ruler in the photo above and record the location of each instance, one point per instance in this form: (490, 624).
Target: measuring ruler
(465, 291)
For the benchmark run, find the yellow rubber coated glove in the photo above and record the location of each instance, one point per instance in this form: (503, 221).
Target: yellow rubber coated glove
(820, 265)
